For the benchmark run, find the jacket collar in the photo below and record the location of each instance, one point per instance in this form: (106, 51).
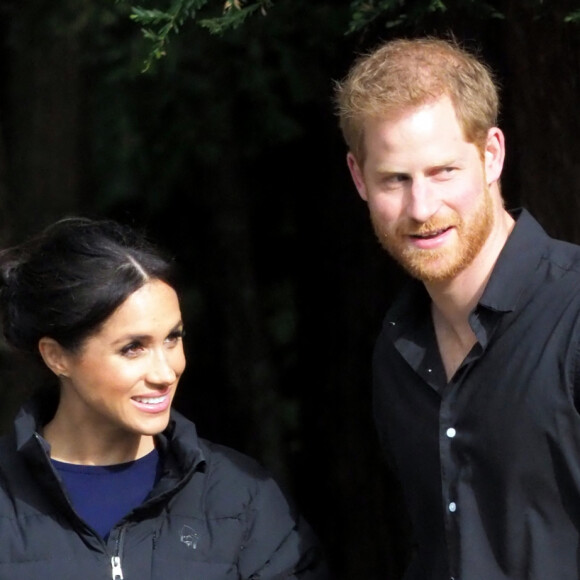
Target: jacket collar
(178, 441)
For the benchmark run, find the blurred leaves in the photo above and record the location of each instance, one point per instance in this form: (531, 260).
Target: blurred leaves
(158, 25)
(394, 13)
(573, 17)
(234, 15)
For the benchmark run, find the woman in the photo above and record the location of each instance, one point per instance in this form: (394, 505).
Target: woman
(100, 478)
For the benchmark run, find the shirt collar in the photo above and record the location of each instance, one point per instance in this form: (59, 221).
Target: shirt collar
(516, 263)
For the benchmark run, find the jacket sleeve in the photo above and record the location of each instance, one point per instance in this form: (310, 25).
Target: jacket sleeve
(280, 544)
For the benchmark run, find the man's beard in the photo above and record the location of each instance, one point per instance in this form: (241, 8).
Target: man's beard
(440, 264)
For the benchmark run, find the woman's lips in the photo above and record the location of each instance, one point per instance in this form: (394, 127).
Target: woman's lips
(153, 403)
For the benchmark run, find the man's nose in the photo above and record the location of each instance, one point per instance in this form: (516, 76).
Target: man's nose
(422, 200)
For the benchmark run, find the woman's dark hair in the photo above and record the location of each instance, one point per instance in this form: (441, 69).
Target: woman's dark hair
(66, 281)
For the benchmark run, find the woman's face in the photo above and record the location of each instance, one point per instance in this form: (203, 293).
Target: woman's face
(124, 377)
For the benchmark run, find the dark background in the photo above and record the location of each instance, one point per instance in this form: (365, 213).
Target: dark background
(228, 153)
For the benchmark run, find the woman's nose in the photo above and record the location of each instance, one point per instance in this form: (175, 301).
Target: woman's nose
(161, 370)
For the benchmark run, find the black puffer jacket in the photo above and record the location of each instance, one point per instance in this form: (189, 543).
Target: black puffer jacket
(214, 515)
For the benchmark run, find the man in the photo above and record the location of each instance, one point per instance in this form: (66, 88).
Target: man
(477, 367)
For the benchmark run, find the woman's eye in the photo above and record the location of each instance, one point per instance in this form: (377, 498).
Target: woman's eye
(132, 349)
(175, 336)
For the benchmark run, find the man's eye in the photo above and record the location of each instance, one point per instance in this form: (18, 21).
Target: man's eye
(445, 172)
(395, 179)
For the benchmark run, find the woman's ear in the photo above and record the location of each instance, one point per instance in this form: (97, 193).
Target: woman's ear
(54, 356)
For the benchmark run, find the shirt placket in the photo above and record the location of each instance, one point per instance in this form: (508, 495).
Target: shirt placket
(449, 439)
(448, 435)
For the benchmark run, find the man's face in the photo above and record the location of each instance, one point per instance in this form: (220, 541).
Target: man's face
(427, 191)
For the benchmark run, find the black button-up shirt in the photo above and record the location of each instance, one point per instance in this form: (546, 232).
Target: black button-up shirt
(490, 460)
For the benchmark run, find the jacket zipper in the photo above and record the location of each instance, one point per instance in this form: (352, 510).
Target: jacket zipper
(117, 571)
(116, 559)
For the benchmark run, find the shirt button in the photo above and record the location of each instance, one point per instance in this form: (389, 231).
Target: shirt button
(451, 432)
(452, 506)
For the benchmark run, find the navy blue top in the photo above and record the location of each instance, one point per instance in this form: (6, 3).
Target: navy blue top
(103, 494)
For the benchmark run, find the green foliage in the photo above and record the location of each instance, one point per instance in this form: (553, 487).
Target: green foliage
(573, 17)
(397, 13)
(234, 15)
(158, 24)
(365, 12)
(209, 95)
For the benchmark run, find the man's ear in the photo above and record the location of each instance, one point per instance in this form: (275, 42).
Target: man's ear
(494, 155)
(54, 356)
(357, 175)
